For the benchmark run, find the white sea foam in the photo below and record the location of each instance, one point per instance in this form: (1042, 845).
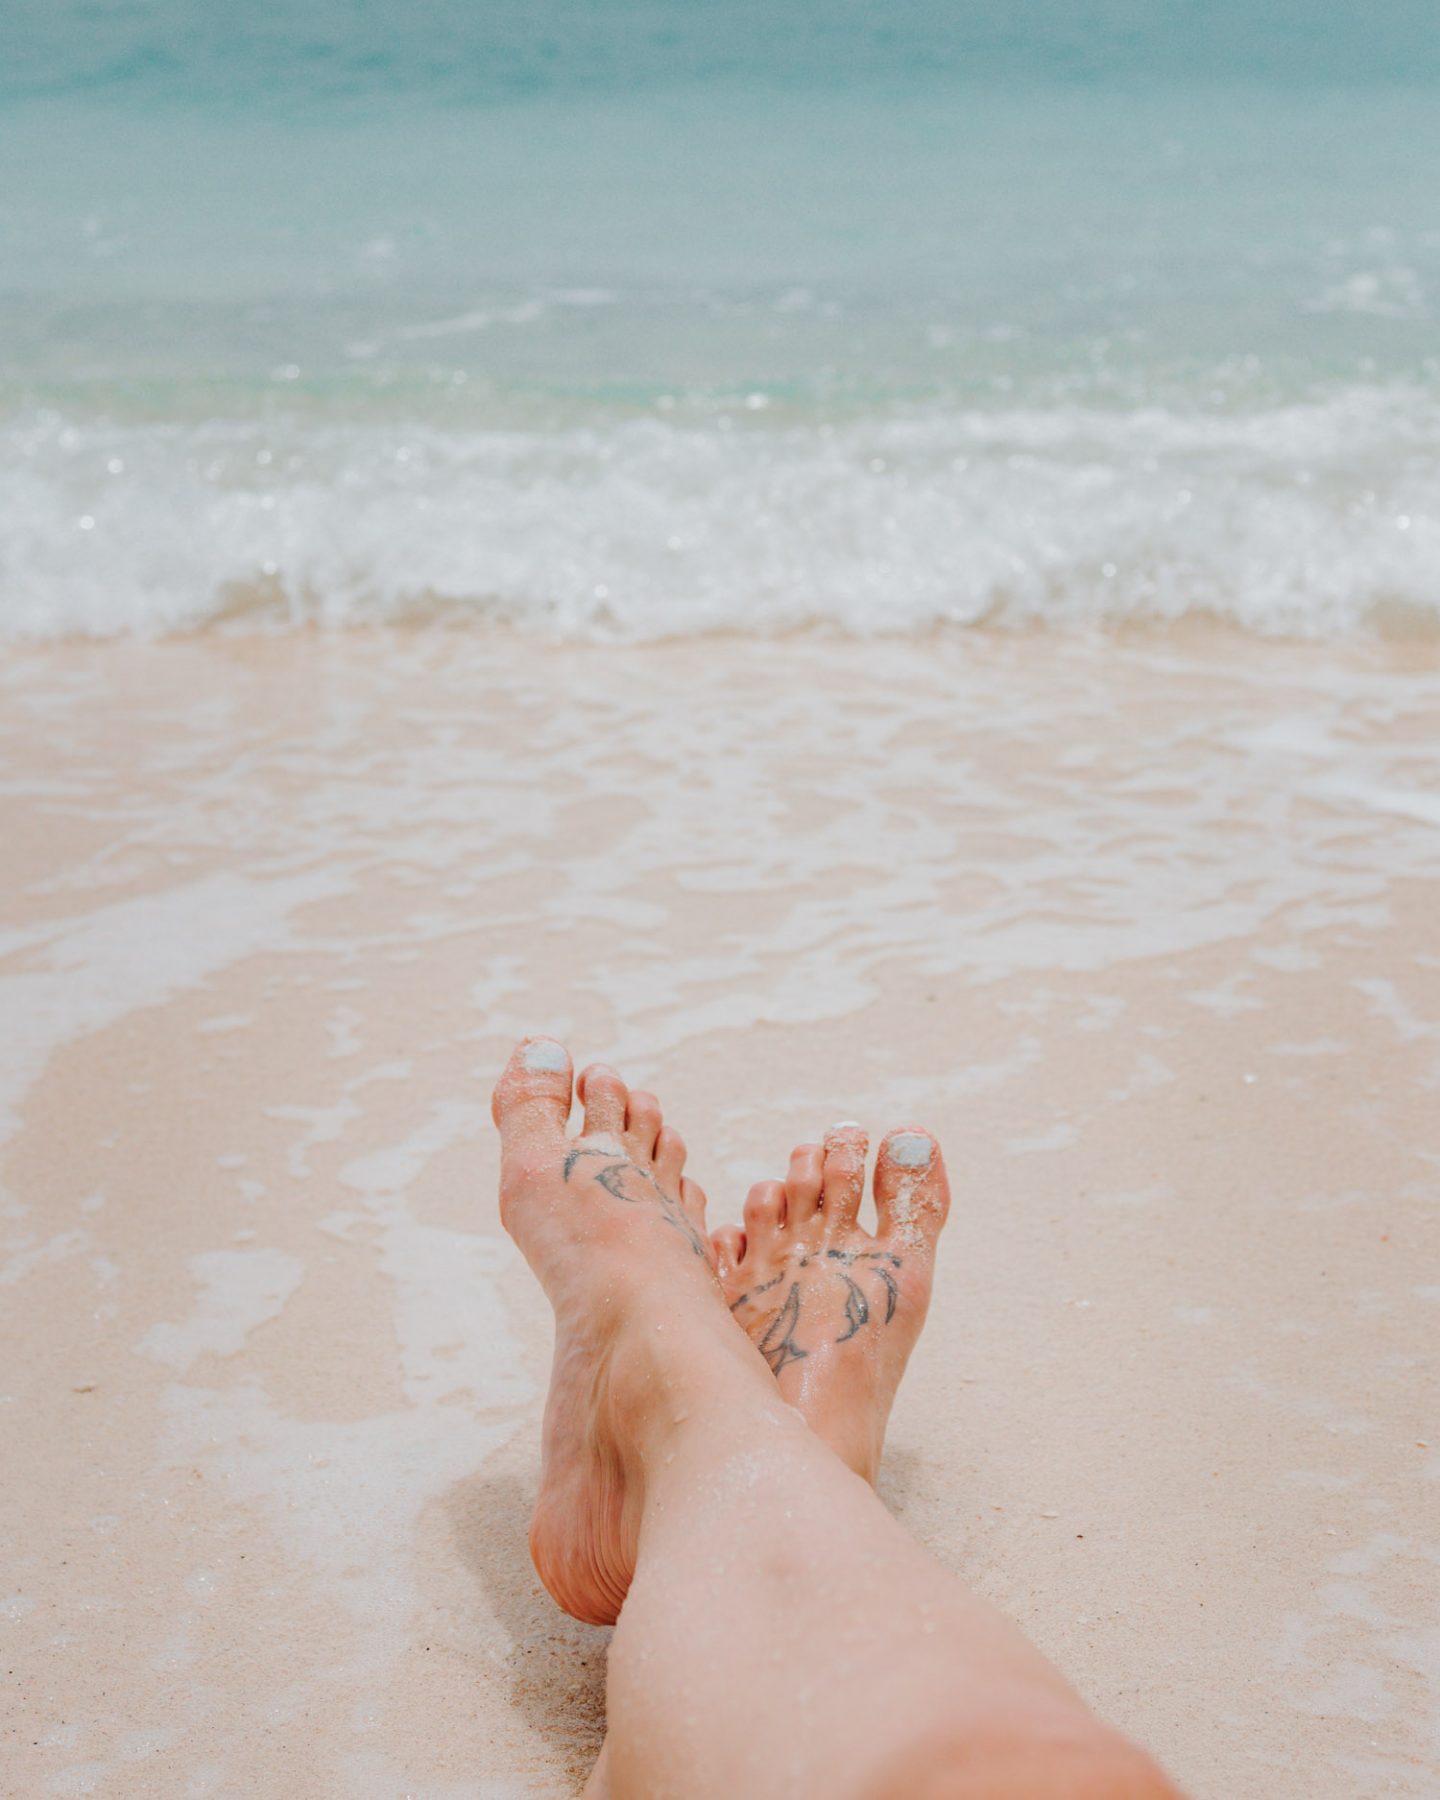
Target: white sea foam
(86, 972)
(239, 1290)
(345, 1496)
(1314, 519)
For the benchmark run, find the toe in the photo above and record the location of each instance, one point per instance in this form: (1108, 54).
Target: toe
(802, 1183)
(692, 1198)
(912, 1196)
(603, 1095)
(764, 1210)
(669, 1155)
(843, 1181)
(642, 1124)
(728, 1243)
(532, 1096)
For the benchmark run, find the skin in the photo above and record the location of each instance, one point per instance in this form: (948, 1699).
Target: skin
(708, 1487)
(835, 1311)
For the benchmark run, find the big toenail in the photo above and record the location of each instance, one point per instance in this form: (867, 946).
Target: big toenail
(545, 1054)
(910, 1149)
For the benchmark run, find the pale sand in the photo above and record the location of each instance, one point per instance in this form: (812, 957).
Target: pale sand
(1147, 932)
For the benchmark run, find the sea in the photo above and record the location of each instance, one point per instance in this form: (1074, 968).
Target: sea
(641, 319)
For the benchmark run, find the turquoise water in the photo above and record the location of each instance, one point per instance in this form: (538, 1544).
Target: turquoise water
(640, 320)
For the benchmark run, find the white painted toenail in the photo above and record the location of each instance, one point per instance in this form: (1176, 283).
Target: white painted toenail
(910, 1150)
(546, 1054)
(846, 1125)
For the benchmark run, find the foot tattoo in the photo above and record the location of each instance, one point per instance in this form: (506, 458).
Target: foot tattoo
(834, 1310)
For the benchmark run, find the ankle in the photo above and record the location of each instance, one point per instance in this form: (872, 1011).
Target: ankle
(673, 1375)
(855, 1435)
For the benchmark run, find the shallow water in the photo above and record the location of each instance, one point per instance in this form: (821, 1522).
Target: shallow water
(632, 323)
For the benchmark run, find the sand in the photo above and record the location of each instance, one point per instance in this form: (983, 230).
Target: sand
(1145, 929)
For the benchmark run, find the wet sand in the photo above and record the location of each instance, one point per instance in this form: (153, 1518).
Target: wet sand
(1147, 932)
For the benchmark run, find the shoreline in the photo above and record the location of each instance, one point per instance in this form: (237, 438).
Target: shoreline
(1142, 927)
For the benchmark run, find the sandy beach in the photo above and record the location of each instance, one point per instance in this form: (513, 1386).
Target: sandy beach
(1144, 929)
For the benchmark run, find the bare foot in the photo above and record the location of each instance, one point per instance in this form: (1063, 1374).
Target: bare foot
(616, 1234)
(834, 1311)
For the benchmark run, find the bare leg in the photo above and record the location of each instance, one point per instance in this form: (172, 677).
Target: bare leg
(781, 1635)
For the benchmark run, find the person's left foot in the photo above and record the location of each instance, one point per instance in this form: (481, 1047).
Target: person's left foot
(834, 1311)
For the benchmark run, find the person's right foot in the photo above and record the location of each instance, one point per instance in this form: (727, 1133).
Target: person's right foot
(834, 1311)
(616, 1234)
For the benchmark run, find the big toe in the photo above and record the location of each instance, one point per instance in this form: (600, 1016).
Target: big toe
(912, 1195)
(532, 1096)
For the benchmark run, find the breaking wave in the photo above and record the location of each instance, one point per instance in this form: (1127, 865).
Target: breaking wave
(1317, 519)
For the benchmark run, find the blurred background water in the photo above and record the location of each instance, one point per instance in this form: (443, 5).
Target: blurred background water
(640, 319)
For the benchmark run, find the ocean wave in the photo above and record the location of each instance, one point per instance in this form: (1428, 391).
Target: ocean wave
(1315, 520)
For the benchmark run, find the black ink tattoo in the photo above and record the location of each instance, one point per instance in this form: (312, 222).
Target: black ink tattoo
(573, 1156)
(613, 1178)
(892, 1292)
(857, 1310)
(778, 1345)
(764, 1288)
(679, 1220)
